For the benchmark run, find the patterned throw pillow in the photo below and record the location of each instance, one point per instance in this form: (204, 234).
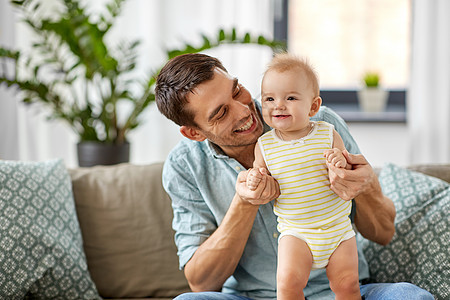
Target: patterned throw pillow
(41, 252)
(420, 250)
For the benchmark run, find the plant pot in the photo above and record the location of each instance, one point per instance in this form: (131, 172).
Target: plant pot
(96, 153)
(373, 99)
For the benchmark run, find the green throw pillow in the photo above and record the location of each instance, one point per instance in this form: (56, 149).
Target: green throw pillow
(420, 249)
(41, 251)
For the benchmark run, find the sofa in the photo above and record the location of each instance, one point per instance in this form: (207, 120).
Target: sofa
(105, 232)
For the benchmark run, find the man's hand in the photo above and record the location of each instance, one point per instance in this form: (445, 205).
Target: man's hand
(348, 184)
(266, 190)
(375, 213)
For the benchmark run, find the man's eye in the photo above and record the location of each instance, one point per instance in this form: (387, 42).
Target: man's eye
(222, 114)
(237, 91)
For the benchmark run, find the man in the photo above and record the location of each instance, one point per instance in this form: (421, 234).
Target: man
(226, 234)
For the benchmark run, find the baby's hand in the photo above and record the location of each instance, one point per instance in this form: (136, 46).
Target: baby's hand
(253, 178)
(335, 157)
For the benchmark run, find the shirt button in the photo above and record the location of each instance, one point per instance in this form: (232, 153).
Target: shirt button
(237, 168)
(275, 235)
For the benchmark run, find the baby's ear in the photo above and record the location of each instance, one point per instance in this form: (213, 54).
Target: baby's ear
(315, 106)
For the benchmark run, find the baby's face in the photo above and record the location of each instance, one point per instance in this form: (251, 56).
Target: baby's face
(287, 99)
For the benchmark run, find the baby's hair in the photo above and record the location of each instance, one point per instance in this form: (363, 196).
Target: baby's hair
(283, 62)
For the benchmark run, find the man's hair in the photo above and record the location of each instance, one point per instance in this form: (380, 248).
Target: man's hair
(283, 62)
(179, 77)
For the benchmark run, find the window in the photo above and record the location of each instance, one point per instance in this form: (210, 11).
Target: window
(343, 39)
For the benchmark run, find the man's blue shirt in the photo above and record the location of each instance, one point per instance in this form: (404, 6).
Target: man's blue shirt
(201, 180)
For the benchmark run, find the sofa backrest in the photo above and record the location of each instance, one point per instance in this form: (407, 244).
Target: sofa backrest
(125, 218)
(441, 171)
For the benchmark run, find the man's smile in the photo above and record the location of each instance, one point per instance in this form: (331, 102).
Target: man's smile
(247, 126)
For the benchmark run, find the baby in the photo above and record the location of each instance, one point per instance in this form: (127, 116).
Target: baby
(314, 222)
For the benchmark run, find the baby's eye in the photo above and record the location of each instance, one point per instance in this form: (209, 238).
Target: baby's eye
(269, 99)
(291, 98)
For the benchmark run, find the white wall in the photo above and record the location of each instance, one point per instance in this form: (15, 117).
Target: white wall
(382, 142)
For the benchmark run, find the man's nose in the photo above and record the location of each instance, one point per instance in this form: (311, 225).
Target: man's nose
(241, 105)
(241, 108)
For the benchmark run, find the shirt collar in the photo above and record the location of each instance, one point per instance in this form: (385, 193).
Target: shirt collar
(215, 150)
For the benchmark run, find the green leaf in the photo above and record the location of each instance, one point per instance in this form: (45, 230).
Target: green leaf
(262, 40)
(222, 36)
(36, 70)
(233, 34)
(206, 42)
(247, 38)
(371, 79)
(16, 2)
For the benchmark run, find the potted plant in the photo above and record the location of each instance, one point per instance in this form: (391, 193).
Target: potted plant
(82, 79)
(372, 98)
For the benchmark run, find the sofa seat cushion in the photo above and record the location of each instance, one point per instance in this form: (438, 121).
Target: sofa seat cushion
(420, 248)
(41, 252)
(126, 221)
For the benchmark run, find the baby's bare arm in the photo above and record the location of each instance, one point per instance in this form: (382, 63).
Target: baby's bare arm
(259, 170)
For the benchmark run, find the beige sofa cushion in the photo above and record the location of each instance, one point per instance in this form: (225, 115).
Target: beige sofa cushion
(125, 218)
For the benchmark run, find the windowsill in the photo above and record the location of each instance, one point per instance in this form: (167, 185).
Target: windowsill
(345, 103)
(352, 113)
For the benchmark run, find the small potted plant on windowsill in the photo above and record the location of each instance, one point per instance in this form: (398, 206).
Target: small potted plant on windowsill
(372, 98)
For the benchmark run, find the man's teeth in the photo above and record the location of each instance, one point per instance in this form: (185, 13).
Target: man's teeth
(246, 125)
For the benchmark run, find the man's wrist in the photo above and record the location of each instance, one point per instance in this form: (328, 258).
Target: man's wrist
(372, 191)
(374, 187)
(245, 203)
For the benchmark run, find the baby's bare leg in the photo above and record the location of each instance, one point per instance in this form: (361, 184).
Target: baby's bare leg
(342, 271)
(335, 157)
(253, 178)
(294, 266)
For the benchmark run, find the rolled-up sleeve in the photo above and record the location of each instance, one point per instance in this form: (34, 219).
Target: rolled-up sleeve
(328, 115)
